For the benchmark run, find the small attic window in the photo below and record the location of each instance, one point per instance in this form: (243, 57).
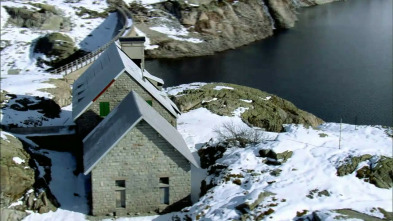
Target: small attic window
(164, 180)
(120, 183)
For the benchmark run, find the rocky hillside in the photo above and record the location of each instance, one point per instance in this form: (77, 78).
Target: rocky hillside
(24, 180)
(195, 28)
(256, 108)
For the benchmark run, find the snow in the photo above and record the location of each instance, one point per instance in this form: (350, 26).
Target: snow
(247, 101)
(29, 117)
(65, 184)
(59, 214)
(18, 56)
(69, 189)
(177, 90)
(17, 203)
(316, 155)
(177, 34)
(144, 2)
(147, 43)
(213, 99)
(4, 135)
(267, 98)
(315, 159)
(18, 160)
(222, 87)
(197, 126)
(238, 112)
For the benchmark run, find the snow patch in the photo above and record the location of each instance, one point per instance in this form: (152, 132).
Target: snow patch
(144, 2)
(176, 90)
(147, 43)
(175, 33)
(222, 87)
(18, 160)
(266, 98)
(239, 111)
(4, 135)
(214, 99)
(247, 101)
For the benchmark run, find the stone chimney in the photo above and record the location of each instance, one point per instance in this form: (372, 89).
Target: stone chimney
(134, 48)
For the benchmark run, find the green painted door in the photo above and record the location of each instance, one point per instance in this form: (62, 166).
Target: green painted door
(104, 109)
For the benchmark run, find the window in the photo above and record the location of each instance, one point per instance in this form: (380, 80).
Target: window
(150, 102)
(164, 195)
(104, 109)
(164, 190)
(164, 180)
(120, 198)
(120, 193)
(120, 183)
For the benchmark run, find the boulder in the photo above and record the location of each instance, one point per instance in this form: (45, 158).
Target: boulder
(56, 46)
(351, 164)
(379, 173)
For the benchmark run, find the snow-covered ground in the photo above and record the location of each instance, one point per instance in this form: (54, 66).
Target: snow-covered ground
(316, 152)
(18, 56)
(311, 170)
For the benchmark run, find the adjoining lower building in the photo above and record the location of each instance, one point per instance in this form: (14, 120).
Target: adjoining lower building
(139, 163)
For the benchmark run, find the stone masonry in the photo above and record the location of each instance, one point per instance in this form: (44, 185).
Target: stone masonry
(140, 158)
(114, 95)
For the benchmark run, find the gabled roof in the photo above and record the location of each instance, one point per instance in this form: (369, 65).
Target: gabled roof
(103, 72)
(120, 121)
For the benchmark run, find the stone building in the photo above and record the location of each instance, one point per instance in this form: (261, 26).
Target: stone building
(138, 161)
(108, 80)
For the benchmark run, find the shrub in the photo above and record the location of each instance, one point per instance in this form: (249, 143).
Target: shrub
(239, 135)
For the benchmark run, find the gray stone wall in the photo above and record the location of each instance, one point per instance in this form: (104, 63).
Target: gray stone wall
(114, 95)
(140, 158)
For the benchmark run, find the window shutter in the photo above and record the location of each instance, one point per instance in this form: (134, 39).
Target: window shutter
(104, 109)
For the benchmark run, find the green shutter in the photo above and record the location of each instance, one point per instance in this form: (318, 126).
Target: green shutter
(104, 109)
(150, 102)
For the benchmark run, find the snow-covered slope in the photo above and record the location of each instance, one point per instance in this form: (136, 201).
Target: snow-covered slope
(19, 72)
(306, 182)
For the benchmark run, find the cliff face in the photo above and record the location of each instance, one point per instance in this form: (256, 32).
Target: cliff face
(196, 28)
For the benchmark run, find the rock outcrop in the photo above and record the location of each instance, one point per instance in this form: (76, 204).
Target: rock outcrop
(261, 109)
(16, 175)
(199, 28)
(378, 171)
(41, 16)
(216, 26)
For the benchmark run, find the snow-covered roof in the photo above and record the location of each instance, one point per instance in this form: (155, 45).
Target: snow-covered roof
(120, 121)
(103, 72)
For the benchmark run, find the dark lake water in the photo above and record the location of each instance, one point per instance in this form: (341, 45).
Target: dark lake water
(336, 62)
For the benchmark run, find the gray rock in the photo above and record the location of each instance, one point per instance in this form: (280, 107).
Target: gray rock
(56, 46)
(249, 206)
(11, 215)
(16, 179)
(351, 164)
